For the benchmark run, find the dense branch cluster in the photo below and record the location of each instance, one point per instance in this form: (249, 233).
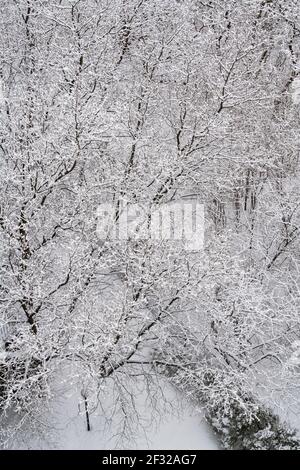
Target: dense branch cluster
(148, 101)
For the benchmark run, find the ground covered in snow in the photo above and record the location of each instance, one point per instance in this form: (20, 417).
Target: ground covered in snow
(168, 423)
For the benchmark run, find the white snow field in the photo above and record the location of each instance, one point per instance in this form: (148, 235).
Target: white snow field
(182, 429)
(154, 423)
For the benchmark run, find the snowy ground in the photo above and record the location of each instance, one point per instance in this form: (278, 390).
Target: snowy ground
(183, 430)
(174, 424)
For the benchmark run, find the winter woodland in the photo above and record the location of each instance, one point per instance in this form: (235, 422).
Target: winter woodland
(150, 103)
